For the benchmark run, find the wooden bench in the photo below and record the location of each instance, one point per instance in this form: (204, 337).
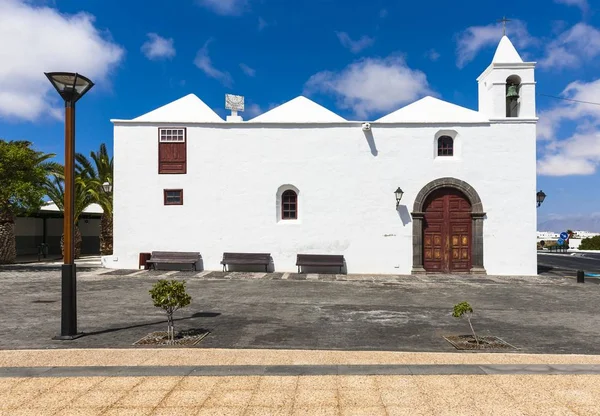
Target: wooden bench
(320, 260)
(173, 257)
(246, 259)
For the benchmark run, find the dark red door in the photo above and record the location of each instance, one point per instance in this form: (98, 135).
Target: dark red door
(447, 232)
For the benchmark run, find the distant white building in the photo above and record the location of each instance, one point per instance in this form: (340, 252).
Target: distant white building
(547, 235)
(301, 179)
(584, 234)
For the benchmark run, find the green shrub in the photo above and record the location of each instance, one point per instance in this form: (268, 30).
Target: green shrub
(170, 295)
(464, 309)
(592, 243)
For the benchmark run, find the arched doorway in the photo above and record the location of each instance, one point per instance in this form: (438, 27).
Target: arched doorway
(447, 232)
(450, 191)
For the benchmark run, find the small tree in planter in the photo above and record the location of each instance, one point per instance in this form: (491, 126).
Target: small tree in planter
(463, 309)
(171, 296)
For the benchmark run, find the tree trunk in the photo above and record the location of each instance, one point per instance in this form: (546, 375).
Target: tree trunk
(8, 244)
(170, 328)
(78, 239)
(106, 235)
(473, 331)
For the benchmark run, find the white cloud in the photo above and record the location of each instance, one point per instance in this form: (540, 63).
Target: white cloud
(476, 38)
(262, 23)
(40, 39)
(572, 48)
(586, 115)
(204, 62)
(582, 4)
(432, 54)
(225, 7)
(578, 154)
(354, 46)
(157, 47)
(251, 72)
(371, 85)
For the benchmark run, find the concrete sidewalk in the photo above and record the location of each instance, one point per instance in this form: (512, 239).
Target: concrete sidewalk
(80, 394)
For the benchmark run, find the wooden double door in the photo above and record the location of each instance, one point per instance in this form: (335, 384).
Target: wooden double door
(447, 232)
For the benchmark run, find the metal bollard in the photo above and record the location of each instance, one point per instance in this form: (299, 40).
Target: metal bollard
(580, 276)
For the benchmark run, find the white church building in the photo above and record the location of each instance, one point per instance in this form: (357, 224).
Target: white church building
(300, 179)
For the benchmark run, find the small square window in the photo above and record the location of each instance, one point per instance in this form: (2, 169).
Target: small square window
(173, 196)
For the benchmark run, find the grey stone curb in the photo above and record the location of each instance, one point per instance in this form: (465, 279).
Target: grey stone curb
(298, 370)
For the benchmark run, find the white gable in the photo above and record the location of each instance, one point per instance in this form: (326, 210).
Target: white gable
(506, 53)
(186, 109)
(433, 110)
(299, 110)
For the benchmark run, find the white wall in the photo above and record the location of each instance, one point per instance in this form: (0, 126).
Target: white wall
(346, 185)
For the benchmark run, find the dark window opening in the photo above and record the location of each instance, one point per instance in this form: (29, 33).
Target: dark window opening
(289, 205)
(445, 146)
(173, 196)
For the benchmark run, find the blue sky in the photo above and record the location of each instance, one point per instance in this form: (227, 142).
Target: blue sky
(142, 55)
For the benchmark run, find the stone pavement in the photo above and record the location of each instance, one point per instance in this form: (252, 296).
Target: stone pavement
(87, 392)
(540, 314)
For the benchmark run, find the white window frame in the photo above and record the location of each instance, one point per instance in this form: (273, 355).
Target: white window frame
(171, 135)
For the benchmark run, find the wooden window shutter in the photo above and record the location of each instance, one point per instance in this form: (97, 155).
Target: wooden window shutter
(172, 151)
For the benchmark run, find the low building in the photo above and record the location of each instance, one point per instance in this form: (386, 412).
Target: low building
(46, 226)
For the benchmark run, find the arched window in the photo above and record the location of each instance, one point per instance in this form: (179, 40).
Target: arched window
(289, 205)
(445, 146)
(513, 89)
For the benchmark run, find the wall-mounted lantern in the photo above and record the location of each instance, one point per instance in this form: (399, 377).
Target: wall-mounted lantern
(107, 187)
(398, 192)
(540, 197)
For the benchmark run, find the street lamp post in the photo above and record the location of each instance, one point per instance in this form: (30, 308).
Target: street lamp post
(71, 87)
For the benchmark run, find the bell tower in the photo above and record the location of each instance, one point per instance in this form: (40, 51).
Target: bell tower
(507, 86)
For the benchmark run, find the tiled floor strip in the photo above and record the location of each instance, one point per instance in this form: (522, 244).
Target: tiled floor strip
(298, 370)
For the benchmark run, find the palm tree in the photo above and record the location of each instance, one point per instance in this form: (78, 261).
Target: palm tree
(22, 173)
(98, 171)
(55, 189)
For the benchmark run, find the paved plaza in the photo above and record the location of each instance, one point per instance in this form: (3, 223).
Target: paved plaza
(176, 382)
(289, 344)
(543, 314)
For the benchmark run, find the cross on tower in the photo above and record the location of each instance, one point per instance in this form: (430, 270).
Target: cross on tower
(503, 21)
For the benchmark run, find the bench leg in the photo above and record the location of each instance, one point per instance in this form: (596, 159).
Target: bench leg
(266, 268)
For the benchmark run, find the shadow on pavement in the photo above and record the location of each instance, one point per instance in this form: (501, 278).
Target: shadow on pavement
(109, 330)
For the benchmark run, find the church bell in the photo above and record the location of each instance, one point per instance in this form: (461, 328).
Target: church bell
(512, 92)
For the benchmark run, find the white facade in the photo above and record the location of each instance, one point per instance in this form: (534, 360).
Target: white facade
(345, 179)
(584, 234)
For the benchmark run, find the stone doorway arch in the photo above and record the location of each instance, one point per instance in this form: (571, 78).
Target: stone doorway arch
(477, 216)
